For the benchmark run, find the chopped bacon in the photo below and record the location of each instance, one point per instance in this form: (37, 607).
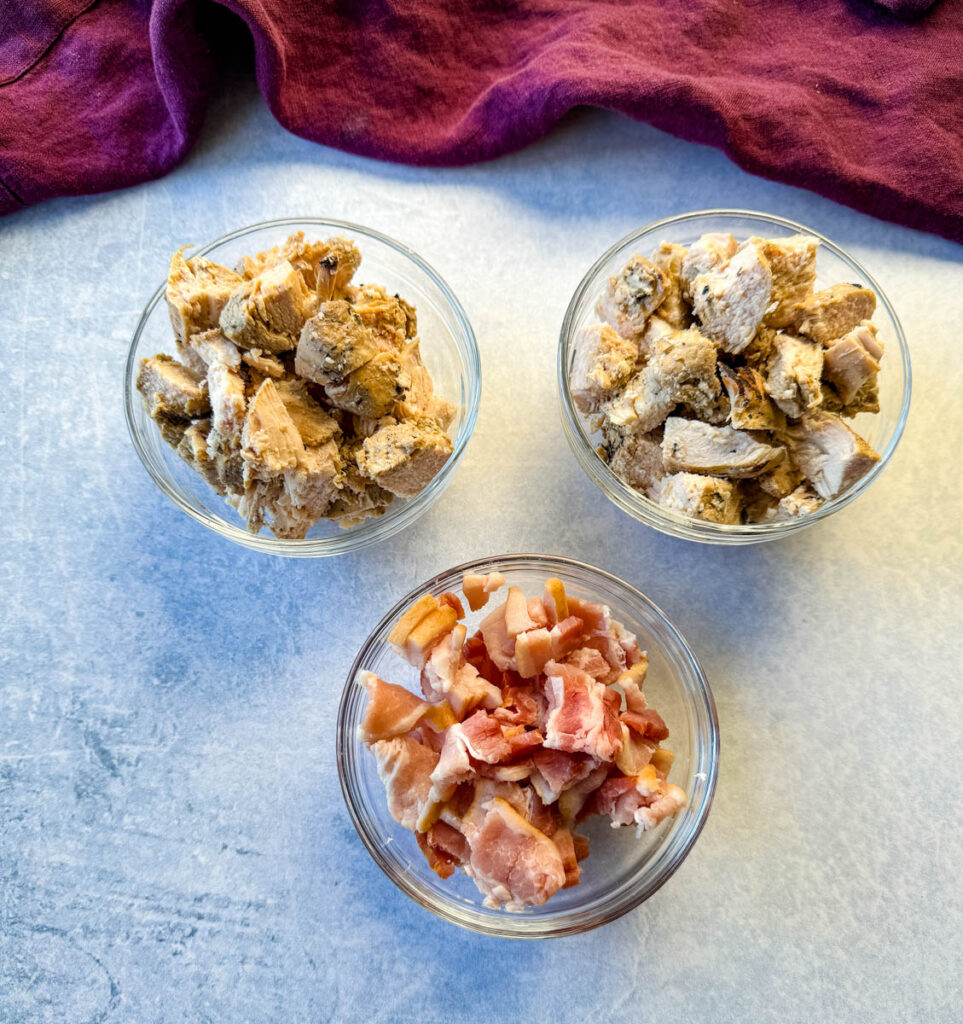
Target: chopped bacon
(565, 842)
(581, 716)
(452, 601)
(393, 711)
(596, 617)
(566, 636)
(581, 846)
(572, 801)
(476, 653)
(644, 801)
(533, 649)
(447, 676)
(477, 588)
(519, 706)
(444, 847)
(589, 660)
(537, 611)
(405, 767)
(630, 683)
(505, 772)
(517, 619)
(501, 646)
(556, 600)
(647, 723)
(441, 866)
(635, 754)
(555, 771)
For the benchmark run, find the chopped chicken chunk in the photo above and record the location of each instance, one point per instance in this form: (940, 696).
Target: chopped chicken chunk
(271, 442)
(197, 291)
(171, 390)
(228, 402)
(372, 390)
(637, 459)
(750, 407)
(325, 267)
(603, 362)
(674, 309)
(830, 455)
(693, 447)
(795, 373)
(730, 302)
(850, 364)
(632, 295)
(709, 253)
(313, 423)
(799, 502)
(835, 311)
(404, 458)
(702, 497)
(792, 261)
(212, 347)
(267, 312)
(388, 317)
(334, 343)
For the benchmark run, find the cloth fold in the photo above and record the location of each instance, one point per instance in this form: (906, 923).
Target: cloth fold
(838, 96)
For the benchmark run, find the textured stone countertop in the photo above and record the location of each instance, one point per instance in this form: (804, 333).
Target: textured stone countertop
(173, 843)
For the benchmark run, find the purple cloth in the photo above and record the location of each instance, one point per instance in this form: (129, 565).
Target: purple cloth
(838, 96)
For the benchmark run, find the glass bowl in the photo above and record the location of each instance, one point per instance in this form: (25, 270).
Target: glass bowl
(882, 430)
(448, 348)
(621, 870)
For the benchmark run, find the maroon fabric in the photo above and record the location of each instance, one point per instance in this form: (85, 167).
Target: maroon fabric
(839, 96)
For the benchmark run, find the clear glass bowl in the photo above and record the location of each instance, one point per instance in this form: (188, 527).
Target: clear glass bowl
(882, 430)
(448, 348)
(621, 870)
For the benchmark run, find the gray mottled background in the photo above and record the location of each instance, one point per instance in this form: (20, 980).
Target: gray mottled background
(173, 844)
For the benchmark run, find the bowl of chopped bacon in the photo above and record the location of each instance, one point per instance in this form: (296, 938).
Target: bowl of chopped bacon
(527, 746)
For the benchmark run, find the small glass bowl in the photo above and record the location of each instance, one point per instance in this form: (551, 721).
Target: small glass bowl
(621, 871)
(882, 430)
(448, 348)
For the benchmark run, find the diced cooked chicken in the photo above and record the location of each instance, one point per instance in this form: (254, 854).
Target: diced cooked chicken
(359, 498)
(800, 502)
(759, 352)
(795, 372)
(197, 291)
(834, 312)
(702, 497)
(632, 295)
(192, 448)
(673, 309)
(225, 388)
(830, 455)
(313, 423)
(388, 317)
(171, 390)
(730, 302)
(642, 405)
(270, 441)
(637, 459)
(690, 446)
(311, 485)
(372, 390)
(211, 347)
(709, 253)
(603, 361)
(334, 343)
(792, 261)
(780, 480)
(655, 329)
(849, 364)
(265, 365)
(325, 267)
(404, 458)
(267, 313)
(750, 407)
(421, 402)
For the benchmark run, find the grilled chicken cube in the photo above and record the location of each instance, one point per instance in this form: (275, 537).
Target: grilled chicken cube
(313, 423)
(172, 390)
(750, 407)
(387, 317)
(730, 302)
(312, 484)
(703, 497)
(372, 390)
(673, 309)
(834, 312)
(602, 363)
(709, 253)
(830, 455)
(263, 364)
(325, 267)
(197, 291)
(655, 329)
(270, 441)
(850, 364)
(800, 502)
(404, 458)
(267, 313)
(420, 401)
(334, 343)
(693, 447)
(795, 373)
(208, 347)
(792, 261)
(632, 295)
(779, 481)
(225, 387)
(637, 459)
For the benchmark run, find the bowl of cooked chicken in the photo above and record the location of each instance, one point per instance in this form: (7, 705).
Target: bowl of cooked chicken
(302, 386)
(731, 377)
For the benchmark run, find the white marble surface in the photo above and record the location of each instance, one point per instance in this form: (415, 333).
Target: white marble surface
(173, 844)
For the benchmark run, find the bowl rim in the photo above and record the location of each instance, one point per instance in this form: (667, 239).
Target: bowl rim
(373, 530)
(705, 761)
(674, 523)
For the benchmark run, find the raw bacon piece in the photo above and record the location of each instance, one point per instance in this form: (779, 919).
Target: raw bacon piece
(477, 588)
(556, 600)
(448, 676)
(476, 653)
(630, 683)
(500, 645)
(643, 801)
(581, 717)
(555, 771)
(519, 707)
(517, 619)
(566, 636)
(532, 650)
(590, 660)
(572, 801)
(635, 754)
(647, 723)
(405, 767)
(393, 711)
(537, 611)
(566, 847)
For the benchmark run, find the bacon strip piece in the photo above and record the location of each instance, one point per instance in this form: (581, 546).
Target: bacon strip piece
(393, 711)
(582, 713)
(405, 767)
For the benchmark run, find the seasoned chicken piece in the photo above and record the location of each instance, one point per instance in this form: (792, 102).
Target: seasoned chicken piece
(831, 456)
(309, 488)
(265, 365)
(325, 267)
(211, 347)
(849, 364)
(193, 450)
(359, 498)
(710, 252)
(270, 441)
(267, 312)
(655, 329)
(704, 497)
(313, 423)
(170, 389)
(780, 480)
(421, 402)
(372, 390)
(792, 261)
(602, 363)
(759, 352)
(800, 502)
(758, 506)
(750, 407)
(865, 400)
(197, 291)
(404, 458)
(835, 311)
(171, 429)
(225, 453)
(631, 295)
(388, 317)
(693, 447)
(334, 343)
(225, 387)
(674, 309)
(637, 459)
(730, 302)
(795, 372)
(642, 405)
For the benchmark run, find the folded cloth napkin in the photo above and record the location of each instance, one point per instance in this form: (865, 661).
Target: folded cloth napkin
(839, 96)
